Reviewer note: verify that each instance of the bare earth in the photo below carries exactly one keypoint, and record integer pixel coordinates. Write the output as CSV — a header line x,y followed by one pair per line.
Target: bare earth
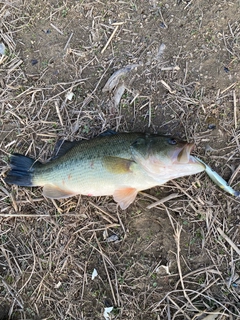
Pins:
x,y
177,260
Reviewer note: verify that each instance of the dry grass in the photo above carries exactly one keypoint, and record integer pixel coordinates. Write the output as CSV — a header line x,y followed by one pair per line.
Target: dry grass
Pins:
x,y
177,253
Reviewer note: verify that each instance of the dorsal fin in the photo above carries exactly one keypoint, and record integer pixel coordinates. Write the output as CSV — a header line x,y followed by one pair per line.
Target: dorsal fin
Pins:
x,y
61,147
108,132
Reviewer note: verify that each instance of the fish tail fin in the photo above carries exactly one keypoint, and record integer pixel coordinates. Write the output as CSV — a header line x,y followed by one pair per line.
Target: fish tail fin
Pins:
x,y
22,169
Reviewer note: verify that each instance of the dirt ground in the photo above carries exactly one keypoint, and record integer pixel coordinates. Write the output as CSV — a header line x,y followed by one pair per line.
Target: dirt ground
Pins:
x,y
179,259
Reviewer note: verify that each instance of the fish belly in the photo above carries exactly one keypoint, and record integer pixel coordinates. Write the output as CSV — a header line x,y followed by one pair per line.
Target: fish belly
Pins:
x,y
91,178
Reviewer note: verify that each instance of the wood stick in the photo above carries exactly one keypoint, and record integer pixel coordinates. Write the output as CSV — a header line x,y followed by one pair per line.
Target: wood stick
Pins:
x,y
229,241
110,39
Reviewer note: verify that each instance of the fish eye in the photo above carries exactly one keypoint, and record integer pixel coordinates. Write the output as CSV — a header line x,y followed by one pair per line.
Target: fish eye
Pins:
x,y
172,141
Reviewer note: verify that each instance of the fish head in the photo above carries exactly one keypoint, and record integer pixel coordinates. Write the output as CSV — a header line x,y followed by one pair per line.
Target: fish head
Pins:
x,y
165,156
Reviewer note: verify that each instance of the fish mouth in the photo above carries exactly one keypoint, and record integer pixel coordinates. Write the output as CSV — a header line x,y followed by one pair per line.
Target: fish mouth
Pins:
x,y
184,154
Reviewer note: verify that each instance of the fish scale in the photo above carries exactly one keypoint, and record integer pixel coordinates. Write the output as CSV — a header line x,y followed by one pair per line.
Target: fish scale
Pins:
x,y
120,165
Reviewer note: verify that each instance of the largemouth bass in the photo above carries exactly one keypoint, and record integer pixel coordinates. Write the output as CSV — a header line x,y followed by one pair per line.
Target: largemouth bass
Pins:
x,y
119,165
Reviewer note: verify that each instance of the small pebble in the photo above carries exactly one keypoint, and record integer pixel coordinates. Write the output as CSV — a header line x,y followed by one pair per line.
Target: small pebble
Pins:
x,y
162,25
226,69
2,48
112,238
34,61
211,126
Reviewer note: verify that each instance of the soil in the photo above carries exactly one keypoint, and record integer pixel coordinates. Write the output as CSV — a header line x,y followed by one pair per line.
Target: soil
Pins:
x,y
167,262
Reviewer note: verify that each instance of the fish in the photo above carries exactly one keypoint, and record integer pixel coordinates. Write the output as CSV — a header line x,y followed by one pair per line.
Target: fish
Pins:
x,y
218,180
118,165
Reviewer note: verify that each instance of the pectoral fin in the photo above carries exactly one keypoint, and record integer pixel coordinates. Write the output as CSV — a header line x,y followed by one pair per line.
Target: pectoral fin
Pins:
x,y
53,192
118,165
125,196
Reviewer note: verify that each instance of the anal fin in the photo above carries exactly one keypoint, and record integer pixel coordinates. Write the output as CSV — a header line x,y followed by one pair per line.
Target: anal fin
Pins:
x,y
53,192
125,196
